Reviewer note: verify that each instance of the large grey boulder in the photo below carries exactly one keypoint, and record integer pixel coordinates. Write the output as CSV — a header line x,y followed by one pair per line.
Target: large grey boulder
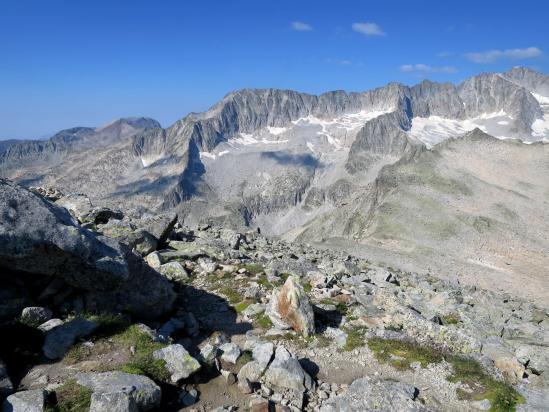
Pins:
x,y
25,401
380,395
41,238
285,372
6,386
60,339
178,361
160,226
146,394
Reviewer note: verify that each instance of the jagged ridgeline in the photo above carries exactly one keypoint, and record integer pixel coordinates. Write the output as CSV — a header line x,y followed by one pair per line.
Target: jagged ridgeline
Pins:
x,y
388,167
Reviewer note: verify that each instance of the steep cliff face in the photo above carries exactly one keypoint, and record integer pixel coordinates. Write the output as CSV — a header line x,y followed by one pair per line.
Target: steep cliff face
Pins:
x,y
489,93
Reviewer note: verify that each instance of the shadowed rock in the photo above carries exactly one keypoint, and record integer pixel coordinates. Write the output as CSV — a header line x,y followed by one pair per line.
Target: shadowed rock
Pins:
x,y
41,238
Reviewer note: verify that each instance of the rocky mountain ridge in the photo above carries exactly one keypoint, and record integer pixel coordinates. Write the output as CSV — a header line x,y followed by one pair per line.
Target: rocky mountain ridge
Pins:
x,y
330,168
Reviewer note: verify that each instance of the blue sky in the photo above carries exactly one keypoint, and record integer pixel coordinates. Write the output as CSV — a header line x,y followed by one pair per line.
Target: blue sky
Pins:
x,y
83,63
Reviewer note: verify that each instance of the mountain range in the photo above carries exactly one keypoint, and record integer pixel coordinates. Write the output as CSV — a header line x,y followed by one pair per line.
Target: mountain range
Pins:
x,y
434,177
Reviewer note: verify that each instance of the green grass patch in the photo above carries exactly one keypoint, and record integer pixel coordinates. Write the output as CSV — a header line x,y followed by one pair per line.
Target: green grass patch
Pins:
x,y
284,277
295,338
71,397
355,338
264,282
261,321
242,306
502,396
244,358
401,354
253,268
231,294
450,319
143,362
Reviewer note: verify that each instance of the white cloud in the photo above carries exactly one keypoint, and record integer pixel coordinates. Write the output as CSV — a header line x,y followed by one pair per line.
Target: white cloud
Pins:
x,y
342,62
369,29
300,26
492,56
424,68
444,54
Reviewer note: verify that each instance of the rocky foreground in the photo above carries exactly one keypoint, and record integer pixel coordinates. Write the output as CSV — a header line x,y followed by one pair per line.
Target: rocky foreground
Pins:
x,y
108,310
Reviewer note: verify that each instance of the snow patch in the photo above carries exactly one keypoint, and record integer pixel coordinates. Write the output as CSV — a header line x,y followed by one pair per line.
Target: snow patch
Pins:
x,y
146,161
208,155
543,100
277,130
540,127
434,129
244,139
223,153
311,147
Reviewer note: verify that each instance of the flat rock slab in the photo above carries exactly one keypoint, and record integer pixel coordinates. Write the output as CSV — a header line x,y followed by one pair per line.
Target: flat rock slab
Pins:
x,y
25,401
146,394
60,339
383,395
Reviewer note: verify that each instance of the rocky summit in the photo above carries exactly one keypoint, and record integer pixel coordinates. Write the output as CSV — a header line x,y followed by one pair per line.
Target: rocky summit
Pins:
x,y
127,310
375,251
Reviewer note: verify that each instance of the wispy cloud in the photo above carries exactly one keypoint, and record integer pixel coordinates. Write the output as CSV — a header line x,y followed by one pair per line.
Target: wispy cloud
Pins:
x,y
342,62
492,56
425,68
368,29
300,26
444,54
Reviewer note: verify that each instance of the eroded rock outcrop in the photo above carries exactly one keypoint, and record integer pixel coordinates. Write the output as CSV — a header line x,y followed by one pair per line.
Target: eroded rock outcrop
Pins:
x,y
42,239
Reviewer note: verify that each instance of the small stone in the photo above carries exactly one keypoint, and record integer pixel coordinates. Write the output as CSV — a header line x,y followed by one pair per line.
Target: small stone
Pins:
x,y
285,372
154,260
188,398
245,386
50,324
263,353
230,352
35,315
230,377
178,361
174,271
208,353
